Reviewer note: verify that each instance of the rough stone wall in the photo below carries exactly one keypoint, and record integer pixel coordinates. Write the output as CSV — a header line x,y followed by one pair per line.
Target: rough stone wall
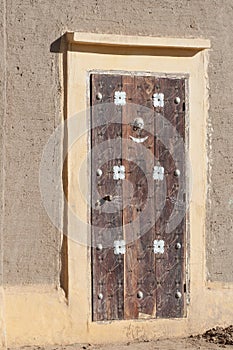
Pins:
x,y
34,108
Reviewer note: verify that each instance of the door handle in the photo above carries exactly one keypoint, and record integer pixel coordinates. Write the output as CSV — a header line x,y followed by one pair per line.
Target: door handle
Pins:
x,y
107,198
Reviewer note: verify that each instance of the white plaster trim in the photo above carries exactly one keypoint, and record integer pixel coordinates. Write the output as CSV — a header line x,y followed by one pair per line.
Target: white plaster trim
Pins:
x,y
141,41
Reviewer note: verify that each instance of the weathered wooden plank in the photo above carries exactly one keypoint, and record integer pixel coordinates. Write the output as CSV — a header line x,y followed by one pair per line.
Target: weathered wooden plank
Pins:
x,y
107,268
130,199
139,260
170,265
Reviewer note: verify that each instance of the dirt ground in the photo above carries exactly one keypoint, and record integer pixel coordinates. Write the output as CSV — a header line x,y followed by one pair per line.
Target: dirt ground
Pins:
x,y
216,338
175,344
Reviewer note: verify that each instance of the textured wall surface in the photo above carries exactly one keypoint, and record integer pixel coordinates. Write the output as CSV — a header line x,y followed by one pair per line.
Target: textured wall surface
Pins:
x,y
2,108
34,108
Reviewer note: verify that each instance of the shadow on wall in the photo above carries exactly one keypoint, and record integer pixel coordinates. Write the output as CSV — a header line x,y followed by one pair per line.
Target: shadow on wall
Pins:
x,y
61,45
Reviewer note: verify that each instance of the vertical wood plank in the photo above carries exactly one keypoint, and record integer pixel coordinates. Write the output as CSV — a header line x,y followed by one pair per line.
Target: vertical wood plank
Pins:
x,y
130,200
107,268
140,276
170,265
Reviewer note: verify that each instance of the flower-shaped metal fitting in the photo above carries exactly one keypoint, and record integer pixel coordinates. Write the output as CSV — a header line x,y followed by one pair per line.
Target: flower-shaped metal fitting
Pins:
x,y
118,172
158,173
158,246
120,98
158,100
119,247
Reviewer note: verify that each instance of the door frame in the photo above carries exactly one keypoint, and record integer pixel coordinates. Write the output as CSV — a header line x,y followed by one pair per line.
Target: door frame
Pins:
x,y
94,53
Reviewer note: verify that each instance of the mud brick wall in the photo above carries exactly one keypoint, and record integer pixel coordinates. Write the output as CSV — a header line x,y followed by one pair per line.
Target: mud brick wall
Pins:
x,y
31,107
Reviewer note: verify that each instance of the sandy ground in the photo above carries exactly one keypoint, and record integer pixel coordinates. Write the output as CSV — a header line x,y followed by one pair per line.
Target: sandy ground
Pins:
x,y
175,344
215,338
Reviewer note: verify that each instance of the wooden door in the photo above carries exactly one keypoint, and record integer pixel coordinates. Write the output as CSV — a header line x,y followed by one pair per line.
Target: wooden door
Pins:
x,y
138,213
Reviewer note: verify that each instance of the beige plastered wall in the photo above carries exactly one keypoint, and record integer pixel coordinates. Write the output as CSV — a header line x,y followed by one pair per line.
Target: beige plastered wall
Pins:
x,y
42,314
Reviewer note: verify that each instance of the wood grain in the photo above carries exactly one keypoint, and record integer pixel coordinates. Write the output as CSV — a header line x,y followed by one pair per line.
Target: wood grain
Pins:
x,y
139,259
107,268
145,206
170,266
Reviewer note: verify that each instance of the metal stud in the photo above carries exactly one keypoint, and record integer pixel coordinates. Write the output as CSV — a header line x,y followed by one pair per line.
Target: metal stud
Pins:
x,y
178,295
139,294
178,245
177,172
100,296
99,172
99,246
99,96
177,100
98,203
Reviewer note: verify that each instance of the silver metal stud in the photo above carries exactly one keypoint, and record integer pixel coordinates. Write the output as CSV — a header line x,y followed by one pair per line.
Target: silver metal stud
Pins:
x,y
99,246
178,295
100,296
178,245
99,96
177,172
139,294
177,100
97,203
99,172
